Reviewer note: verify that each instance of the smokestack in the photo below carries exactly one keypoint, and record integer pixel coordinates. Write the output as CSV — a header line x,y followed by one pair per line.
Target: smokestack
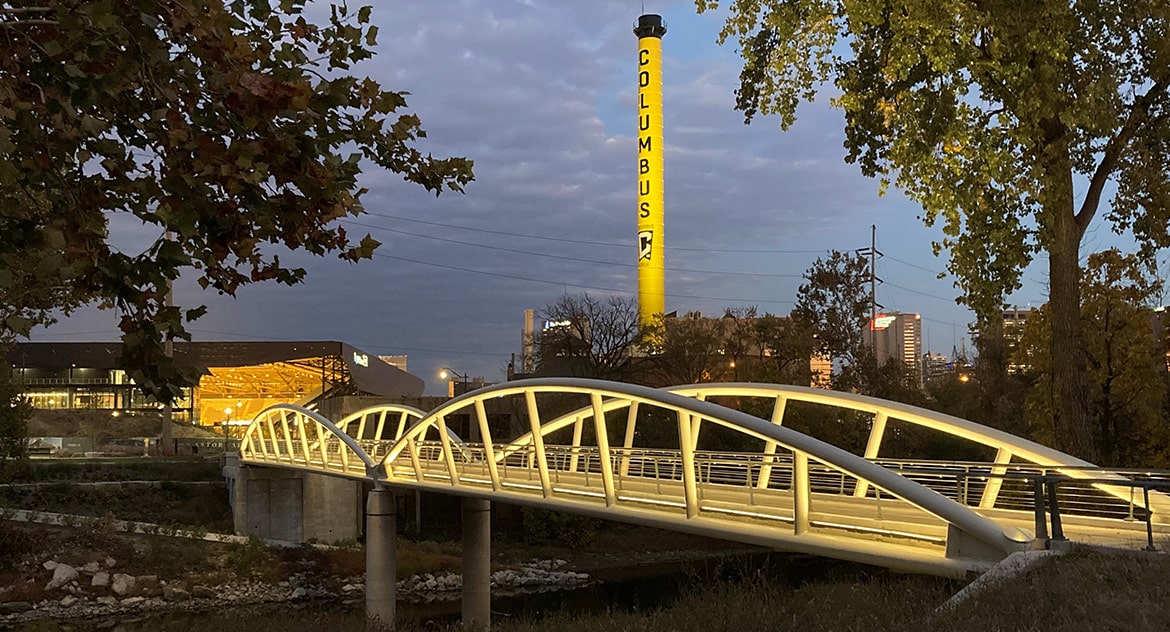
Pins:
x,y
651,279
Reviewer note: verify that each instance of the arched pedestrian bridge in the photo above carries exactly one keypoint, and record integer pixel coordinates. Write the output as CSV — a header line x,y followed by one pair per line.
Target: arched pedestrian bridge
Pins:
x,y
636,454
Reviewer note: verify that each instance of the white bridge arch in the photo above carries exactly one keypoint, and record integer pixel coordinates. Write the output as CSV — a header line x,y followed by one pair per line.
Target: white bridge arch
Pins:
x,y
796,493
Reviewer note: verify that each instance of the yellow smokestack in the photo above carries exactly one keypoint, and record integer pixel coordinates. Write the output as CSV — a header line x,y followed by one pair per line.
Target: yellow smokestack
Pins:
x,y
651,280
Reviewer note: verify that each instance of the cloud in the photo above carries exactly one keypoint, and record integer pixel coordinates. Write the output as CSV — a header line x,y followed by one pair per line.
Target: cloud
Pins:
x,y
540,95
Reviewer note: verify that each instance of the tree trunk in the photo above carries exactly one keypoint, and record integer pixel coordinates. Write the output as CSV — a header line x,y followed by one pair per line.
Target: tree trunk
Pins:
x,y
1072,426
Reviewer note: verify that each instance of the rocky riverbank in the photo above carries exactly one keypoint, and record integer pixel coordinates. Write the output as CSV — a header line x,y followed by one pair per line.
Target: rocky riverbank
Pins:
x,y
96,591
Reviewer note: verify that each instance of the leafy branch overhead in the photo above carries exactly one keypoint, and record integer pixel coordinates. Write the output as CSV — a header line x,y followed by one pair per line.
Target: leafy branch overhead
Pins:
x,y
1007,121
233,129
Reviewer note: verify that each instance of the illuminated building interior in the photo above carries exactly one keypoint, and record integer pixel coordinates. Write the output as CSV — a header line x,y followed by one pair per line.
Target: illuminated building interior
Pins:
x,y
239,379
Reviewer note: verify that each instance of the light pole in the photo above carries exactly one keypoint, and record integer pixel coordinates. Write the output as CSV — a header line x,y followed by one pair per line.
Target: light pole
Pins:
x,y
472,427
448,372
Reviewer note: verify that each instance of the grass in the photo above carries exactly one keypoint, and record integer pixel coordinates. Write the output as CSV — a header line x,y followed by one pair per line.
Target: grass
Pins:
x,y
123,469
1082,592
201,507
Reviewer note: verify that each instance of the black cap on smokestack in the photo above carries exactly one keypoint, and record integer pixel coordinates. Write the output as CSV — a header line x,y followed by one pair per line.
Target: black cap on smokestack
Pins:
x,y
650,25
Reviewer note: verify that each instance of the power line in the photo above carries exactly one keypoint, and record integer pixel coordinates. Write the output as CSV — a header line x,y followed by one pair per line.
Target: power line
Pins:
x,y
912,265
386,347
576,285
561,257
920,293
592,243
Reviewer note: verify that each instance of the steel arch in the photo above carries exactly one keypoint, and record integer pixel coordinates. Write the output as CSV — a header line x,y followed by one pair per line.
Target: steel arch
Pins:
x,y
287,435
415,463
1006,445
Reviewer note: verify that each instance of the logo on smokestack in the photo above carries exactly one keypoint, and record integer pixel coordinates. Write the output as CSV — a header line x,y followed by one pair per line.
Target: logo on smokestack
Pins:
x,y
651,277
645,244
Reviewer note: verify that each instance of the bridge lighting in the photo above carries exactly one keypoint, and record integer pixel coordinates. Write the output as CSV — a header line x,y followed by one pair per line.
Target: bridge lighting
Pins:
x,y
964,378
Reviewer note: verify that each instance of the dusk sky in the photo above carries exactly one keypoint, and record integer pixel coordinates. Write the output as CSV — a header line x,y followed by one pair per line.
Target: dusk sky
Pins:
x,y
540,94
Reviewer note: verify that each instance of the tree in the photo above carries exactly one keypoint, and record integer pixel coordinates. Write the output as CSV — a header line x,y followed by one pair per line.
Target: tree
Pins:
x,y
739,336
786,345
687,350
1127,363
987,113
232,130
14,415
835,301
589,337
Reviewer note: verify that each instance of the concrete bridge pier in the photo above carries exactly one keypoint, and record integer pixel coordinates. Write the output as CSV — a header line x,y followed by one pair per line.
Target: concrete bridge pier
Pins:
x,y
381,557
477,564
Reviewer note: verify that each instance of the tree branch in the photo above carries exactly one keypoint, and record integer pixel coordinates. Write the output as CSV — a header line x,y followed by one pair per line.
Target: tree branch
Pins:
x,y
1137,116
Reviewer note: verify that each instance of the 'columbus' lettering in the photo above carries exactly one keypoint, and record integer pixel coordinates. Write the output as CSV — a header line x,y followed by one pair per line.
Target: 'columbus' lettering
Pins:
x,y
644,143
643,165
644,122
644,209
643,56
644,187
643,79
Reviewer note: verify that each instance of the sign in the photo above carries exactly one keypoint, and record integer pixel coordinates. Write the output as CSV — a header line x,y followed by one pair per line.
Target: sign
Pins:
x,y
361,359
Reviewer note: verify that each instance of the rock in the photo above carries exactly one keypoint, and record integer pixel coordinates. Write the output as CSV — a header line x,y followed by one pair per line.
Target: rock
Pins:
x,y
203,592
101,579
122,585
147,586
298,593
132,601
49,565
13,607
171,593
62,574
350,588
109,562
107,600
68,601
90,568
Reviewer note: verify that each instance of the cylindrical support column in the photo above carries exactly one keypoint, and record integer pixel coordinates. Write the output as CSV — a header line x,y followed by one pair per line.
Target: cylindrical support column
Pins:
x,y
801,493
477,563
381,556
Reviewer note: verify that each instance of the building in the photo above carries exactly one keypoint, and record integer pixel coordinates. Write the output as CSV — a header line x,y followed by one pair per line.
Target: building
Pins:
x,y
1014,320
935,366
898,336
239,378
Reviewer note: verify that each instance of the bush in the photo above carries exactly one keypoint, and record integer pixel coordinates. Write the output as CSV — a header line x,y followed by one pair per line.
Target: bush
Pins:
x,y
253,559
543,527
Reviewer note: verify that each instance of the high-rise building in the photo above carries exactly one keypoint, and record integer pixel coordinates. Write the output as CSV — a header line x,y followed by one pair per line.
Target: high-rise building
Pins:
x,y
897,335
1014,320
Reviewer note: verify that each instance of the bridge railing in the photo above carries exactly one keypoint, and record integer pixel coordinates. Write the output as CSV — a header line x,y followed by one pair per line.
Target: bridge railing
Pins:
x,y
730,484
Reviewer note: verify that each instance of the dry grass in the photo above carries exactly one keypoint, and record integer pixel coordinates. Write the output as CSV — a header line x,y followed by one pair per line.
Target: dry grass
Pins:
x,y
1084,591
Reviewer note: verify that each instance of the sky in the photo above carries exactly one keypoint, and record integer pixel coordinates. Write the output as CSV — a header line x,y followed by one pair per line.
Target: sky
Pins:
x,y
541,95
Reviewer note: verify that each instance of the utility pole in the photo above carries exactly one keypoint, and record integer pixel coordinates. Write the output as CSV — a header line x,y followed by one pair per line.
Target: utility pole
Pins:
x,y
873,253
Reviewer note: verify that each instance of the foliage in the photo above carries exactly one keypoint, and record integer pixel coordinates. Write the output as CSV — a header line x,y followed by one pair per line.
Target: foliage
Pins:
x,y
987,113
835,301
891,380
687,350
14,414
542,526
1127,364
590,337
232,131
252,559
785,346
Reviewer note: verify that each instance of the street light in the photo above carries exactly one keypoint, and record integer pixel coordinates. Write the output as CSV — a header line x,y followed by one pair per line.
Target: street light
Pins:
x,y
448,372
